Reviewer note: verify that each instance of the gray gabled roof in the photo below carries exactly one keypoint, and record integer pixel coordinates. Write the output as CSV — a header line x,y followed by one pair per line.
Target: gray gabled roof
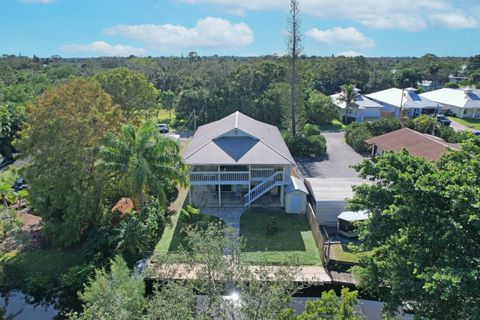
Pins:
x,y
237,139
461,98
393,96
362,101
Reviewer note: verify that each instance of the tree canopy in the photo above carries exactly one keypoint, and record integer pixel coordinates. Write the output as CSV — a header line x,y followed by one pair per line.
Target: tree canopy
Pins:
x,y
129,89
423,231
66,127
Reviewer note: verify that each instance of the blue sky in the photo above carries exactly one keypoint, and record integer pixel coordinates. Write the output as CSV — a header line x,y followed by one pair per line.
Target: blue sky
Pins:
x,y
84,28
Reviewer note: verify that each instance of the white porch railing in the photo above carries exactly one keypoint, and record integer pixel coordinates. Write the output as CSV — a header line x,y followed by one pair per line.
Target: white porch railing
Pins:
x,y
261,173
215,177
233,177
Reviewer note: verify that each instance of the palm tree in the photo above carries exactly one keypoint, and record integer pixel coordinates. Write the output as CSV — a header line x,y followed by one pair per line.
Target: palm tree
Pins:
x,y
132,238
349,96
145,161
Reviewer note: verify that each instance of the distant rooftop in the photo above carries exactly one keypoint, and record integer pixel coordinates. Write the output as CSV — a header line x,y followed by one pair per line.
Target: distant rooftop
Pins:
x,y
411,99
461,98
416,143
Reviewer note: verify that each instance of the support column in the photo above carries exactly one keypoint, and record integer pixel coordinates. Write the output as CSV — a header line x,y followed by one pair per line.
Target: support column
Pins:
x,y
249,183
282,192
219,189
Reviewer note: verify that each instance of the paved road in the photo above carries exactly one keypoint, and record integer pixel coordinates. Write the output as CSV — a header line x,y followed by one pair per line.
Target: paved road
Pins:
x,y
336,164
458,126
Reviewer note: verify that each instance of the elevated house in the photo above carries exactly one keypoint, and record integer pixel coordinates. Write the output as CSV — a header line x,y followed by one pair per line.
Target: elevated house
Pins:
x,y
239,162
464,103
394,100
365,110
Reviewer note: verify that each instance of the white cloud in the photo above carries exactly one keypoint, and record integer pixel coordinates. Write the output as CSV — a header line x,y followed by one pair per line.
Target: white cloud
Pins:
x,y
455,21
349,37
37,1
410,15
208,33
349,53
104,48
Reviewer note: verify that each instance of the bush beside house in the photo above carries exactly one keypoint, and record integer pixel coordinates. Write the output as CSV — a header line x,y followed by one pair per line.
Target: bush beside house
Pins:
x,y
309,143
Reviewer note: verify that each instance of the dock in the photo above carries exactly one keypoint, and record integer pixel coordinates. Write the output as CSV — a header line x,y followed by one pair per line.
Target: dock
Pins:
x,y
317,275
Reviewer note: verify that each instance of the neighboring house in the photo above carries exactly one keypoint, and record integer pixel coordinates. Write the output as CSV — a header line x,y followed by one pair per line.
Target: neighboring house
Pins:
x,y
367,109
464,103
394,99
239,161
416,143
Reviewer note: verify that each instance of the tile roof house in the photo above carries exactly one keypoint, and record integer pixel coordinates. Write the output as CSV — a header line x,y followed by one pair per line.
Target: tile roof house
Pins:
x,y
465,103
367,109
394,99
239,161
416,143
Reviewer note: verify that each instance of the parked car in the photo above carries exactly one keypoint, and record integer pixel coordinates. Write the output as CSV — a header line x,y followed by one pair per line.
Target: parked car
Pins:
x,y
443,120
163,128
20,184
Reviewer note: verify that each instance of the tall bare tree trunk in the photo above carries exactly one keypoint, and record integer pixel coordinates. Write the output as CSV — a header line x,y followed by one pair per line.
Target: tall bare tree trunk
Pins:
x,y
294,47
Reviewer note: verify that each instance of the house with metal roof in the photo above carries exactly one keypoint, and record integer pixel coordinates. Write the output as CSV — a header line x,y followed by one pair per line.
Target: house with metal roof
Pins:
x,y
394,100
239,161
365,110
464,103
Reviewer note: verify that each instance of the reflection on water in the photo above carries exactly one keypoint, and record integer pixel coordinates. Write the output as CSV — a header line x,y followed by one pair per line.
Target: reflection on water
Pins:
x,y
16,306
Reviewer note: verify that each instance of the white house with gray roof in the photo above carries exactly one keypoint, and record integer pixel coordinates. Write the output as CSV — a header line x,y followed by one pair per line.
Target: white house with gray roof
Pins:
x,y
366,110
394,99
239,161
464,103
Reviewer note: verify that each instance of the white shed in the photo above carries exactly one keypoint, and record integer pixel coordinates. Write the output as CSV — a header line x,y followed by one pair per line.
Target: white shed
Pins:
x,y
346,222
295,196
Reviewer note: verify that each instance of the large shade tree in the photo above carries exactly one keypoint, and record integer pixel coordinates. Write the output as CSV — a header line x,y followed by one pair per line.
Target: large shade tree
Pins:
x,y
423,230
129,89
145,161
66,127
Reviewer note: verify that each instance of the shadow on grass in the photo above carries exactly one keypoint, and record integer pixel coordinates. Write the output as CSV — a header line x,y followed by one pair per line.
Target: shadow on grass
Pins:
x,y
179,236
256,225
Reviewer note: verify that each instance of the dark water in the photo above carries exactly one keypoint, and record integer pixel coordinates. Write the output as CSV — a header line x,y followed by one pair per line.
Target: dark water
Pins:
x,y
16,306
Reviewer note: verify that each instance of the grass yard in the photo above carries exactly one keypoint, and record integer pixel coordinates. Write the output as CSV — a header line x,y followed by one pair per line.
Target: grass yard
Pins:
x,y
341,252
277,238
335,125
468,122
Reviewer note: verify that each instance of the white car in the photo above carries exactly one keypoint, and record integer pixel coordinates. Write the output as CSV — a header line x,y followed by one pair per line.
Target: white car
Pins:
x,y
163,128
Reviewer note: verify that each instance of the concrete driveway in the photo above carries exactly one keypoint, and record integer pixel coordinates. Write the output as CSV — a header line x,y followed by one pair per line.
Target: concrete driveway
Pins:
x,y
336,164
330,179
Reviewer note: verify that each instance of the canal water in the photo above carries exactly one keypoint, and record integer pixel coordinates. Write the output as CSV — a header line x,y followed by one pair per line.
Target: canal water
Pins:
x,y
15,306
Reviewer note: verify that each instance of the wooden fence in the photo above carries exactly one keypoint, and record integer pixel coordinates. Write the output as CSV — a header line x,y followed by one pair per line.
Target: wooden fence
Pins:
x,y
317,233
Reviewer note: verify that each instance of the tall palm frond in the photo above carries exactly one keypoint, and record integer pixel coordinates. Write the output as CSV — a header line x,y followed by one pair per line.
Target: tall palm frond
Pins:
x,y
145,159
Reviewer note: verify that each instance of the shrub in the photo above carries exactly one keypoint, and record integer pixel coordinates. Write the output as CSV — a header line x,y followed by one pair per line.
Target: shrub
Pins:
x,y
304,145
424,124
383,126
319,109
355,136
452,85
311,130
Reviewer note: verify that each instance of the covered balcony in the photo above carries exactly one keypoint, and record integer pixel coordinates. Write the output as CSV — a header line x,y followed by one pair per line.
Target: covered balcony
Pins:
x,y
228,175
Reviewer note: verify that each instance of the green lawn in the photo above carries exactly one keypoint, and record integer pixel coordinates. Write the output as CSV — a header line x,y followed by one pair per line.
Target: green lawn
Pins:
x,y
468,122
341,252
291,243
335,125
